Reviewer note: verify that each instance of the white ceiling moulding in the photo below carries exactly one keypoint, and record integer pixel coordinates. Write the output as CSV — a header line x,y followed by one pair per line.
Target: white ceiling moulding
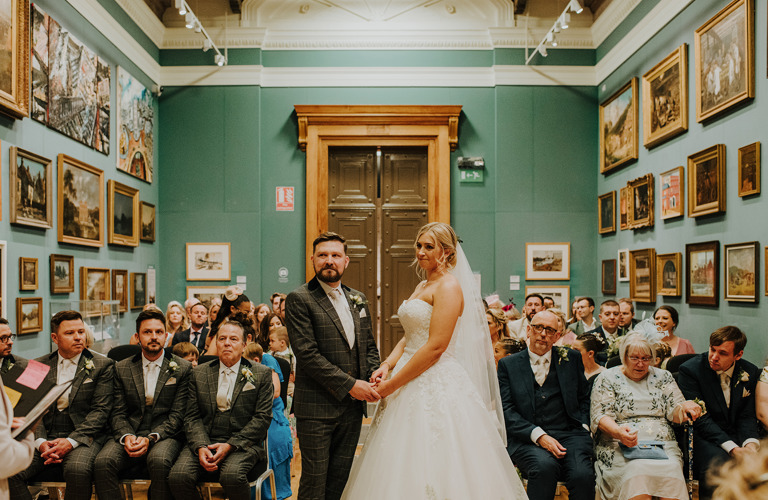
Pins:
x,y
377,40
196,76
147,21
242,38
574,38
612,16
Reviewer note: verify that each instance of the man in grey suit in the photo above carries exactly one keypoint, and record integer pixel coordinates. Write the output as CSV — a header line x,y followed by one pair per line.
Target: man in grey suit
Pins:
x,y
7,360
148,414
330,330
228,413
70,436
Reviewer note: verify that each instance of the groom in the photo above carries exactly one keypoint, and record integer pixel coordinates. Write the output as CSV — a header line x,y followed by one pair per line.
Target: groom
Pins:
x,y
330,330
546,409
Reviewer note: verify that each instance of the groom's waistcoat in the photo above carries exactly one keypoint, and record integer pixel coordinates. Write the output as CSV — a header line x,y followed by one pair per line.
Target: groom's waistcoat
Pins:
x,y
548,406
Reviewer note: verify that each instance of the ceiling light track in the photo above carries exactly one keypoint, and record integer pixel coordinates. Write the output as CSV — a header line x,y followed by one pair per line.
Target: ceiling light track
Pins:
x,y
192,22
550,38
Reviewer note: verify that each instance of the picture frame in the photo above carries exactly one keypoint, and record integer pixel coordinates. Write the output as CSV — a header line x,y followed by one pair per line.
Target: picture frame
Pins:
x,y
665,98
741,272
14,70
672,191
28,275
94,286
31,189
623,216
560,295
147,225
29,315
62,273
138,290
640,202
208,262
725,60
606,211
642,275
749,169
623,264
206,293
3,278
123,226
669,274
135,127
80,209
547,261
618,128
120,288
608,277
702,272
706,181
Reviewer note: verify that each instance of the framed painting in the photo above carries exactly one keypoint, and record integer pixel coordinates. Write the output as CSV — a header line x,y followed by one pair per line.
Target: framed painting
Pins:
x,y
560,295
706,181
741,271
702,264
138,290
749,169
640,202
29,315
120,288
31,192
609,276
101,130
606,211
81,202
27,273
669,275
135,127
62,273
123,214
665,98
642,275
623,215
38,107
618,128
725,60
208,261
623,257
547,261
147,211
672,192
206,294
14,58
94,286
3,279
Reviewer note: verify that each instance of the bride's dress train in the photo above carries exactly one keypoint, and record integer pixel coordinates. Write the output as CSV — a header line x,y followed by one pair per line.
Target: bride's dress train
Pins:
x,y
433,438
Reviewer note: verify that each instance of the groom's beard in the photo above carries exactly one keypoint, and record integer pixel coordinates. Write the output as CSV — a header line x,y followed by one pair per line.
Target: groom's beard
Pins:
x,y
329,275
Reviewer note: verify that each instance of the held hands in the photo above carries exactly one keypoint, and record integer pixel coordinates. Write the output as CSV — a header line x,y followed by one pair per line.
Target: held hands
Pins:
x,y
365,391
627,436
380,374
53,452
691,411
552,445
136,446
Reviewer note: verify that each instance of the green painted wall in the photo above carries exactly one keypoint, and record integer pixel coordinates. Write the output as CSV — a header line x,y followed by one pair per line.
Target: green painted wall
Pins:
x,y
743,218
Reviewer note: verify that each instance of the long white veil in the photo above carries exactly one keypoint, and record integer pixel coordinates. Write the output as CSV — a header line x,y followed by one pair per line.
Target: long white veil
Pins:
x,y
473,343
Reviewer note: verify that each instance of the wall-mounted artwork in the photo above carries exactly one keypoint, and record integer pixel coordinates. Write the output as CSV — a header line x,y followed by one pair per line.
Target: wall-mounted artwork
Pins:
x,y
147,221
640,202
609,276
81,202
642,275
135,126
669,274
749,169
560,294
725,59
623,210
101,130
206,294
14,58
702,264
606,210
120,288
27,273
548,261
62,273
742,263
665,98
138,290
39,104
94,285
123,214
31,189
623,256
706,181
208,261
29,315
618,128
671,187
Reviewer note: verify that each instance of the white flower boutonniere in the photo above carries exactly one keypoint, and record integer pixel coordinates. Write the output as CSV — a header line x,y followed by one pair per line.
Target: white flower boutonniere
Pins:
x,y
357,300
702,404
172,367
248,375
88,367
562,354
743,376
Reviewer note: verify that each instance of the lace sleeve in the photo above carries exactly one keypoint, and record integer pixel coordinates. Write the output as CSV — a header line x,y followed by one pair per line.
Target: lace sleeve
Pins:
x,y
601,401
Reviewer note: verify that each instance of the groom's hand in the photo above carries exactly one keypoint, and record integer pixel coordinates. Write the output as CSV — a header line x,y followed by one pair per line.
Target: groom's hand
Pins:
x,y
364,391
552,445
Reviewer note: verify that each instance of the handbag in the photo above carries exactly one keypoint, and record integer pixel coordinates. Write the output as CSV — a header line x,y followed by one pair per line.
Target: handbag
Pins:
x,y
653,450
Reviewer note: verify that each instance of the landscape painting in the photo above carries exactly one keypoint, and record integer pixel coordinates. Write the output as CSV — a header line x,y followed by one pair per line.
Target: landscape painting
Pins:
x,y
81,202
29,315
618,128
31,189
135,127
147,221
741,272
701,279
208,261
547,261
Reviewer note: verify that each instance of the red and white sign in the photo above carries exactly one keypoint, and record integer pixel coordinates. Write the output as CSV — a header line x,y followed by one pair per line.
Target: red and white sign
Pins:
x,y
284,199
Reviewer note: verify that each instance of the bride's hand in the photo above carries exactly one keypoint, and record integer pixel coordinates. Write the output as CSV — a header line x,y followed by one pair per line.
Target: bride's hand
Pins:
x,y
380,374
385,388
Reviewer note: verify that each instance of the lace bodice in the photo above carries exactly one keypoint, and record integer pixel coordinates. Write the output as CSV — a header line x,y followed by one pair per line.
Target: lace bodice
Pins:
x,y
415,316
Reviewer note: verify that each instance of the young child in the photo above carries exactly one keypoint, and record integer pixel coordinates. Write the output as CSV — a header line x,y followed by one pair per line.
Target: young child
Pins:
x,y
505,347
188,351
280,345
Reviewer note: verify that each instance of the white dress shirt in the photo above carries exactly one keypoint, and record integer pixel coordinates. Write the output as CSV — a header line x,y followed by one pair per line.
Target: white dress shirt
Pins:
x,y
341,305
235,369
66,369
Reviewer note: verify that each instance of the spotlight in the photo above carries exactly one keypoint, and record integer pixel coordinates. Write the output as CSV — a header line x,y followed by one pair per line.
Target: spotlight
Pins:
x,y
198,27
220,60
575,6
565,20
207,44
179,4
542,50
189,20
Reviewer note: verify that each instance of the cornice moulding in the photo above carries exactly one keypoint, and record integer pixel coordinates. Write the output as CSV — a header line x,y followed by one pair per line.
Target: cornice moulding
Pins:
x,y
146,20
614,14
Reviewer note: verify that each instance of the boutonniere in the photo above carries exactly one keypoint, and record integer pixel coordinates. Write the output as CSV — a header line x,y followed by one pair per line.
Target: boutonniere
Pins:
x,y
357,300
746,393
248,375
702,404
562,354
88,367
743,376
8,364
172,367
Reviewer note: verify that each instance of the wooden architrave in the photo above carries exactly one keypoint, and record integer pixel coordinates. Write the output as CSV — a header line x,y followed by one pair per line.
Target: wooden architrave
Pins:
x,y
321,127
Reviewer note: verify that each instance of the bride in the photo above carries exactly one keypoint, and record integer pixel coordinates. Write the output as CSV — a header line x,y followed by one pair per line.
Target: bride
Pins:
x,y
438,432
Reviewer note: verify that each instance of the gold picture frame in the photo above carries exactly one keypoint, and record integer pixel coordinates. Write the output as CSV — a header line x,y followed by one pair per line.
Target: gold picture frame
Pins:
x,y
123,219
623,217
62,273
672,193
606,212
28,275
640,202
725,60
749,169
669,274
138,290
618,128
14,97
31,189
29,315
642,275
741,272
147,221
665,98
80,211
94,286
706,181
120,288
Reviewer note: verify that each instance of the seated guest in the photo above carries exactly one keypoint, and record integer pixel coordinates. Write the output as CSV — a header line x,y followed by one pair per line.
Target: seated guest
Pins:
x,y
147,419
228,414
585,307
214,310
197,331
187,352
666,321
70,436
662,353
275,299
589,345
631,404
188,305
497,324
726,384
549,302
627,319
568,337
609,316
175,320
7,360
233,302
534,303
269,323
507,347
511,312
546,410
743,478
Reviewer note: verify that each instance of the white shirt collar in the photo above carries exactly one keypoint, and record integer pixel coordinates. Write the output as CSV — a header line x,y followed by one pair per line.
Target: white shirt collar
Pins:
x,y
75,359
535,357
729,371
329,289
591,326
235,367
145,362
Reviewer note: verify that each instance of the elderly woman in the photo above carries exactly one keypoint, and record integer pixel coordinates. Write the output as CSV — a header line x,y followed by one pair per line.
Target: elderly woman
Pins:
x,y
632,404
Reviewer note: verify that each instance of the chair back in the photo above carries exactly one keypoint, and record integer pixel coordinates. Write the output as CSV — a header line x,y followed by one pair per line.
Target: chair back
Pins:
x,y
285,367
121,352
613,361
673,364
206,359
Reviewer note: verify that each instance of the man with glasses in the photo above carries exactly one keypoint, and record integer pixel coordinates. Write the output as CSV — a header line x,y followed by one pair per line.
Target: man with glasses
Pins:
x,y
546,409
7,360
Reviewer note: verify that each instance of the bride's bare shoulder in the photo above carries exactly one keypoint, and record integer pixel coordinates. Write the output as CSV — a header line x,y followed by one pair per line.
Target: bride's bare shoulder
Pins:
x,y
449,284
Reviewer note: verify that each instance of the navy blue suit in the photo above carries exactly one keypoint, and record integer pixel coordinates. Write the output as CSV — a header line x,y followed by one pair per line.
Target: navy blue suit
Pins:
x,y
561,408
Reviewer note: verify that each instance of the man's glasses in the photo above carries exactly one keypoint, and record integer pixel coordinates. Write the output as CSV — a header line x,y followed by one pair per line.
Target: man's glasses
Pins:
x,y
5,338
549,332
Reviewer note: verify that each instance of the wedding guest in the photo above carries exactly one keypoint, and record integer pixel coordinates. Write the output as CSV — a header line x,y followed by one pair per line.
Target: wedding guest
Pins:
x,y
233,302
568,337
627,319
188,305
17,455
549,302
533,303
662,353
270,322
197,332
507,347
275,300
585,307
7,360
497,324
187,351
666,321
632,404
261,311
214,310
589,345
175,320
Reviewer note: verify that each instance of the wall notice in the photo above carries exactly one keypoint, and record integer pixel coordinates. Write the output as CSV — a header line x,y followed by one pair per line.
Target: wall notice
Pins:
x,y
284,199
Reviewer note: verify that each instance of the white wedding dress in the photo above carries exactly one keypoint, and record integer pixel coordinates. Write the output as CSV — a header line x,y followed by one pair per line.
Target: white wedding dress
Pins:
x,y
433,438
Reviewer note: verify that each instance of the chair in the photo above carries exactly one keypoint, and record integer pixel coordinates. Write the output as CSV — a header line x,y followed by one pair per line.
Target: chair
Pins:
x,y
673,365
254,482
614,361
121,352
285,367
206,359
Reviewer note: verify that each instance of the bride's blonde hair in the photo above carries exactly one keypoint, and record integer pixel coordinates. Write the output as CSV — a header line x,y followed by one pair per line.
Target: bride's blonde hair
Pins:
x,y
445,238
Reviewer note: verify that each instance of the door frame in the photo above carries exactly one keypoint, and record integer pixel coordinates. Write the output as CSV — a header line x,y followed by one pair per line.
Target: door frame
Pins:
x,y
324,126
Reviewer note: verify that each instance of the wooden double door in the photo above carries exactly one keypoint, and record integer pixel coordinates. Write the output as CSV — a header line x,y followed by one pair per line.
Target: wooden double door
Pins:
x,y
377,199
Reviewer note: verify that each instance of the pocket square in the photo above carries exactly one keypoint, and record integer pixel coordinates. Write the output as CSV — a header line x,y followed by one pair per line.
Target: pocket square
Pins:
x,y
746,393
88,381
171,381
248,387
362,313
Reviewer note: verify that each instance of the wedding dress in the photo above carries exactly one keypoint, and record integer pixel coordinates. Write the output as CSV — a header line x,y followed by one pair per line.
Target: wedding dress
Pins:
x,y
434,438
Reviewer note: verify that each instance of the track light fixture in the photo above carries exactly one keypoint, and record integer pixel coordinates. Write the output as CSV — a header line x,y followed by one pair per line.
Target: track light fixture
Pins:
x,y
179,4
220,60
193,23
575,6
562,22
